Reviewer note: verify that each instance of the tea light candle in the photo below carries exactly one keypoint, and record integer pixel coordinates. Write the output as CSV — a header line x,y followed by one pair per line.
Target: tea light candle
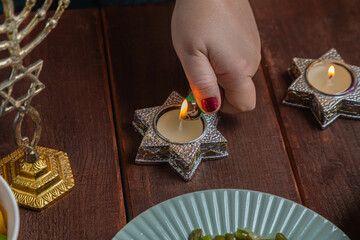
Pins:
x,y
318,77
175,130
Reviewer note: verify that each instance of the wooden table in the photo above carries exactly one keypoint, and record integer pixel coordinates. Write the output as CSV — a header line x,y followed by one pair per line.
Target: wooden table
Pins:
x,y
102,64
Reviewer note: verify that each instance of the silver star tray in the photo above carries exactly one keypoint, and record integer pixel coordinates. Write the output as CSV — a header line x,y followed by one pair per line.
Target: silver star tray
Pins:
x,y
326,108
184,158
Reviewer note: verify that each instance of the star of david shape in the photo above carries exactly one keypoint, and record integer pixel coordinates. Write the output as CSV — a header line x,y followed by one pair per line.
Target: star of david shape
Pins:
x,y
32,72
184,158
326,108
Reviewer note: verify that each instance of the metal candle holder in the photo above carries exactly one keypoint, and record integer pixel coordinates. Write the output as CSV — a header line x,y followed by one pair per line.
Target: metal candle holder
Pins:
x,y
325,107
38,176
184,158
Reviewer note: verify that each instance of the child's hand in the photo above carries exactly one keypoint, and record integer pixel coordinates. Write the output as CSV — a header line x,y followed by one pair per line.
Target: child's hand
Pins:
x,y
218,44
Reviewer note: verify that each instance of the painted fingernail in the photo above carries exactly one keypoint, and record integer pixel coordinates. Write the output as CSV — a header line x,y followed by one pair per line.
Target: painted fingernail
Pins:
x,y
210,104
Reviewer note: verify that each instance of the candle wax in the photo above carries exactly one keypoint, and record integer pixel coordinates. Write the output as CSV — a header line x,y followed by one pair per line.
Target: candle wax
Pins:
x,y
170,127
318,78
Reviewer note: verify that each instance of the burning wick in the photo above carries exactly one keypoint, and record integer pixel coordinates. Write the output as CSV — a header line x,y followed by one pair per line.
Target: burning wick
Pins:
x,y
331,73
183,110
183,113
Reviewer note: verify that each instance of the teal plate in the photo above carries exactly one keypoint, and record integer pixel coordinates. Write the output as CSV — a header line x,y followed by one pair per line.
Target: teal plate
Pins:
x,y
225,210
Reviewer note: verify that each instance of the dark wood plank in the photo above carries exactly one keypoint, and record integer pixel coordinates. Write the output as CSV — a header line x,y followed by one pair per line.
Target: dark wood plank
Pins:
x,y
145,70
328,162
77,118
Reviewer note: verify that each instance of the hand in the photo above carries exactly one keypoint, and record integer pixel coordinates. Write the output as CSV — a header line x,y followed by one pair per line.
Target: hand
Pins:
x,y
218,43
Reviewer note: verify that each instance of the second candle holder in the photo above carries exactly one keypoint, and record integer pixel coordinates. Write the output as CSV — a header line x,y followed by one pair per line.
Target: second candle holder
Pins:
x,y
327,86
183,149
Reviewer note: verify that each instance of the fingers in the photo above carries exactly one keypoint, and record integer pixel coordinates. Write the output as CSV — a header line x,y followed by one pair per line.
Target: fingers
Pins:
x,y
239,94
203,81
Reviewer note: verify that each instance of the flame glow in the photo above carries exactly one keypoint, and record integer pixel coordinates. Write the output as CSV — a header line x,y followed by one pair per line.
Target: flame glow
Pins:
x,y
331,71
183,110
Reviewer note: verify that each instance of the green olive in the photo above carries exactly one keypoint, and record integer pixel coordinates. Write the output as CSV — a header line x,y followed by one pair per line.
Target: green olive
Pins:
x,y
196,234
242,235
207,237
219,237
229,236
280,236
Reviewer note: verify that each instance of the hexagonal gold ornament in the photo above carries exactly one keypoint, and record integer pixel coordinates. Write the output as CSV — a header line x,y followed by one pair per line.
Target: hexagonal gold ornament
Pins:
x,y
37,185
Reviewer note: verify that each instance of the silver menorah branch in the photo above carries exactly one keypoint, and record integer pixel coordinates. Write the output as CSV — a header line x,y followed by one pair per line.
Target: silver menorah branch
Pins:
x,y
38,176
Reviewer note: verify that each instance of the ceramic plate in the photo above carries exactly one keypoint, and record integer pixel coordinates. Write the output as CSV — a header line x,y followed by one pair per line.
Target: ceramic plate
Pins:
x,y
8,202
225,210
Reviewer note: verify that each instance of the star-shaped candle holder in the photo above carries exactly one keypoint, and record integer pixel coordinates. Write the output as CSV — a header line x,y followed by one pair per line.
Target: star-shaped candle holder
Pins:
x,y
327,86
183,157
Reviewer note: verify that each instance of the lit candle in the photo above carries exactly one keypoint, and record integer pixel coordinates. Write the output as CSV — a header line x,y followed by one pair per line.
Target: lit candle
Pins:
x,y
329,77
172,127
183,110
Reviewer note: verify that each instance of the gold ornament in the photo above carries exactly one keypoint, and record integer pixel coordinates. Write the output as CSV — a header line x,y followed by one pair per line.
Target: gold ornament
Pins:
x,y
38,176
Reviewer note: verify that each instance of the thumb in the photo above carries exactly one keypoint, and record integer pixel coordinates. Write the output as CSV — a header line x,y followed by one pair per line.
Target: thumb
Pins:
x,y
203,81
239,93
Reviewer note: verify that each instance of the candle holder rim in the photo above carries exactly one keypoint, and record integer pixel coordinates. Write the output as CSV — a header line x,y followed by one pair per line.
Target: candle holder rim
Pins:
x,y
352,85
176,106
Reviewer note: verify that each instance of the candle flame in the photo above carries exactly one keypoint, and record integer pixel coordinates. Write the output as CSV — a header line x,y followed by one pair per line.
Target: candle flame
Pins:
x,y
331,71
183,110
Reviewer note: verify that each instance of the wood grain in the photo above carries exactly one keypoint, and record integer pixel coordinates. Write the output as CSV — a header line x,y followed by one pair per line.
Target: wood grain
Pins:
x,y
77,118
144,71
327,162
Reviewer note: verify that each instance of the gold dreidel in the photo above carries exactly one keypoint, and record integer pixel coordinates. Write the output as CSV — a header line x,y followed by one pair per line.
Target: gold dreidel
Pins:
x,y
38,176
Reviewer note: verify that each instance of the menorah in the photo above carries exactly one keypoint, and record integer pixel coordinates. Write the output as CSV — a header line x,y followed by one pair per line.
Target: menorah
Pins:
x,y
38,176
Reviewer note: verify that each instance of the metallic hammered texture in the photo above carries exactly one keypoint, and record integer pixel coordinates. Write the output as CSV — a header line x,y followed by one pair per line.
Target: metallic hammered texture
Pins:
x,y
326,108
174,98
151,139
355,96
183,158
212,136
49,188
147,115
186,152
